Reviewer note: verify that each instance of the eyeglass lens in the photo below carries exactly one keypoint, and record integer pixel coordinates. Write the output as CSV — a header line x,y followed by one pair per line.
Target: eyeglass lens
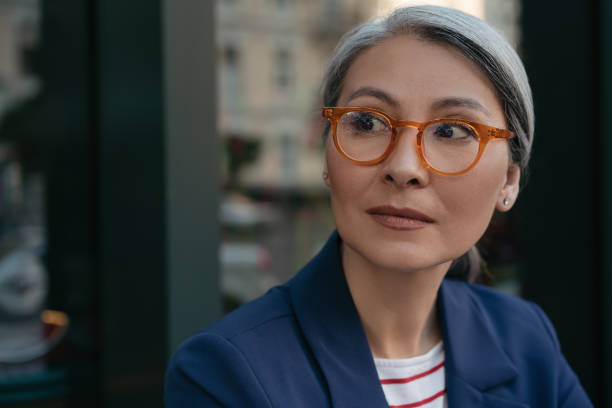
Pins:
x,y
448,146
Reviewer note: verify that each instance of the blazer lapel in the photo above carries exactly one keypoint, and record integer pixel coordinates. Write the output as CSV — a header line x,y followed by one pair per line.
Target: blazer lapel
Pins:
x,y
475,361
329,321
462,394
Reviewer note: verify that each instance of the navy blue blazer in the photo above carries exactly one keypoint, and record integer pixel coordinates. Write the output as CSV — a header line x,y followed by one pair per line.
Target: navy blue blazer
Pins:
x,y
302,345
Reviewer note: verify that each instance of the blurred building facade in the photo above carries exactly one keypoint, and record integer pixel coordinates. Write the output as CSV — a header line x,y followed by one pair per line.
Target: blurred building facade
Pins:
x,y
271,55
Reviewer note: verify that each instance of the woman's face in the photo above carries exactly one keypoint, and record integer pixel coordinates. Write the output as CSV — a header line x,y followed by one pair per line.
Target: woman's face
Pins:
x,y
412,79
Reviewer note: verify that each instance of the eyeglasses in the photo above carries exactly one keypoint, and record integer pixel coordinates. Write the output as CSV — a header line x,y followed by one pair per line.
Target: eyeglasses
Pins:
x,y
449,147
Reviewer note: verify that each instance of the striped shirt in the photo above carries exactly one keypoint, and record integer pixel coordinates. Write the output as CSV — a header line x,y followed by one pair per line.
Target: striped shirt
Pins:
x,y
414,382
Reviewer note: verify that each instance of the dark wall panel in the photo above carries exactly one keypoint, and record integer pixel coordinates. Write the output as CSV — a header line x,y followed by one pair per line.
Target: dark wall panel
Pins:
x,y
68,148
605,44
131,196
560,206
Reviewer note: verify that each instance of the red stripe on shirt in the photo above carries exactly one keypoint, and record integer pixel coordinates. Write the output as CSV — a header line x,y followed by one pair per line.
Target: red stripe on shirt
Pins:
x,y
420,403
412,378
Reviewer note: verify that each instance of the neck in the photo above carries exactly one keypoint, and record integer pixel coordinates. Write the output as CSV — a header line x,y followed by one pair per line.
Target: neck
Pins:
x,y
397,308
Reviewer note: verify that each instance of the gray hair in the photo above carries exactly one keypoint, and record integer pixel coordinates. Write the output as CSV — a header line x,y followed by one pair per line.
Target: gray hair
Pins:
x,y
472,37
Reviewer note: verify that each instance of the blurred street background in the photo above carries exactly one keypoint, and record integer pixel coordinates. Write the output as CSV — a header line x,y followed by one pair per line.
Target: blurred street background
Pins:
x,y
160,165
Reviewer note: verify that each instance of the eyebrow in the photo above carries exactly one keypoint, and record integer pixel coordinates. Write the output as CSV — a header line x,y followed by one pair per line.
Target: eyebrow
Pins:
x,y
453,102
374,92
468,103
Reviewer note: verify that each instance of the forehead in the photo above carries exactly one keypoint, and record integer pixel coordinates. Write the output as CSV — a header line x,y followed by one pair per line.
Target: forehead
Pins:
x,y
416,72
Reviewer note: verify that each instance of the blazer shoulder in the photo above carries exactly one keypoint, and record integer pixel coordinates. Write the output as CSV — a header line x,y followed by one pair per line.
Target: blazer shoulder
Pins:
x,y
508,313
206,371
208,367
531,341
274,305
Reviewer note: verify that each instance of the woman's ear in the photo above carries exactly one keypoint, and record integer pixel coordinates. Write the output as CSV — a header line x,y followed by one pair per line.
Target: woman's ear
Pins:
x,y
325,174
509,192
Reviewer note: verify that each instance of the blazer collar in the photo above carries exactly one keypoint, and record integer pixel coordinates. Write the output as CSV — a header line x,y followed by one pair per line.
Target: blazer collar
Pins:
x,y
324,308
328,318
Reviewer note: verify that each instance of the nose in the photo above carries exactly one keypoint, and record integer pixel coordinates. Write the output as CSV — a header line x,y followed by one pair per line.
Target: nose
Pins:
x,y
403,167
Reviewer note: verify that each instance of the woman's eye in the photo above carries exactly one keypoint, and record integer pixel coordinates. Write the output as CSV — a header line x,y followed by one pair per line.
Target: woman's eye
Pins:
x,y
455,131
368,123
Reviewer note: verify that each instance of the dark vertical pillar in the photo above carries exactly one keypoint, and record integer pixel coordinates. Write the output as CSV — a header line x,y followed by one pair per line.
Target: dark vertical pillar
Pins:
x,y
605,126
67,145
561,207
132,200
192,150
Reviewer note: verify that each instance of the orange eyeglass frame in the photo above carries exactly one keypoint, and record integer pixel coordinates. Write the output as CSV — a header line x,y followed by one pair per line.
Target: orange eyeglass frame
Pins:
x,y
485,134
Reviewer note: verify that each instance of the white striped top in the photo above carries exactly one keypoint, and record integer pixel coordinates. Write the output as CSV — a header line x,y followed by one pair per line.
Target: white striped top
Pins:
x,y
414,382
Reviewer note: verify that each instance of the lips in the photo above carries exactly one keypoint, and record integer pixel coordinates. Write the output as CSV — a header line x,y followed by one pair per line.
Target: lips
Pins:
x,y
399,218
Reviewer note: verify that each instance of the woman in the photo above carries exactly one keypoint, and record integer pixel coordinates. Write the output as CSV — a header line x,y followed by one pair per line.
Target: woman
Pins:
x,y
431,124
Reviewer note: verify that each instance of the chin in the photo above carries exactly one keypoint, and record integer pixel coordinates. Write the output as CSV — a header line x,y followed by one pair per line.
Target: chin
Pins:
x,y
406,262
395,256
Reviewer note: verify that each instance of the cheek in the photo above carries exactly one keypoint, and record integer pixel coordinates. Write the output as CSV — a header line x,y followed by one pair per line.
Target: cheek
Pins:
x,y
349,185
470,201
468,206
347,181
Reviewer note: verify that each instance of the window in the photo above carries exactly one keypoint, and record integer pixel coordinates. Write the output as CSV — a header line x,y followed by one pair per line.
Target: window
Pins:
x,y
283,68
231,56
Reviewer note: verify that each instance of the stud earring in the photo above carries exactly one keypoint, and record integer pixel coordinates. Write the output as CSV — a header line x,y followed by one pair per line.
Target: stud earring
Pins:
x,y
325,176
506,202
